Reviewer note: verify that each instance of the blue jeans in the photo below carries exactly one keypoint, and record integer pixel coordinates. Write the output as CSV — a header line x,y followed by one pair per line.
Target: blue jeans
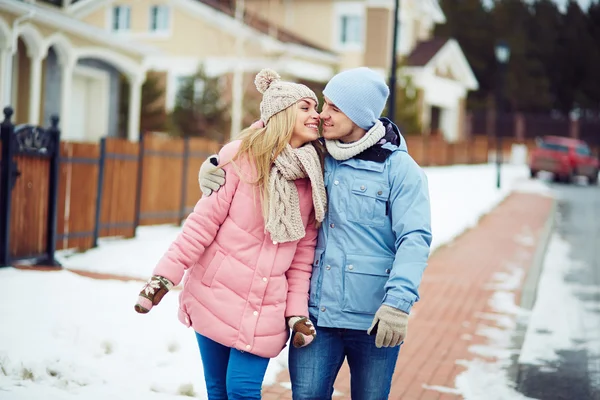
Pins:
x,y
231,374
313,369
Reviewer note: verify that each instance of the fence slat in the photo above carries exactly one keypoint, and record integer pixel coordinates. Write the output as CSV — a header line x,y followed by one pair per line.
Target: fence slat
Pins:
x,y
77,195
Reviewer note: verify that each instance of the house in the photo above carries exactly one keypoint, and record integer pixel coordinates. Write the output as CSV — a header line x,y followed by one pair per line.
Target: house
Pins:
x,y
228,42
361,32
53,63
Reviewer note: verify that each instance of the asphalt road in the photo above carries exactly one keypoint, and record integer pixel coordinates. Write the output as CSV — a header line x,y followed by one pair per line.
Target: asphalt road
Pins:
x,y
576,376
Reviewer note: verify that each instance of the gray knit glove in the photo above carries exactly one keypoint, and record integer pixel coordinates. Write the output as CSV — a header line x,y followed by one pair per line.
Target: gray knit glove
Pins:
x,y
391,325
211,177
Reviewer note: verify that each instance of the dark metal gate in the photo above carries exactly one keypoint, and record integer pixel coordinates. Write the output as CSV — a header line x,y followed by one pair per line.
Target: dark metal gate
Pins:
x,y
28,191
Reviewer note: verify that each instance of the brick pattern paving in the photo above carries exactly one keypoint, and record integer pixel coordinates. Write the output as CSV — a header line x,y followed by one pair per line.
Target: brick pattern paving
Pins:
x,y
443,324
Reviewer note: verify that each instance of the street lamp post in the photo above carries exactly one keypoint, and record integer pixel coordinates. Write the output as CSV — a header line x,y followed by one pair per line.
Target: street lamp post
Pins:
x,y
502,52
392,98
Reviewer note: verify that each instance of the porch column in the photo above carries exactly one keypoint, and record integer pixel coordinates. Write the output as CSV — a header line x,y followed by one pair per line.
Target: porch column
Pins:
x,y
66,91
5,77
135,105
35,90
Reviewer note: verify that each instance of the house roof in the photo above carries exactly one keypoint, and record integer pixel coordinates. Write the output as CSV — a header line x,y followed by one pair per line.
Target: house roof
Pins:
x,y
425,51
445,58
262,25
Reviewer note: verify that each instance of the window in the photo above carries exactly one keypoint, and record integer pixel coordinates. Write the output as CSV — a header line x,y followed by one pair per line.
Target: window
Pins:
x,y
121,18
583,150
554,147
159,18
351,30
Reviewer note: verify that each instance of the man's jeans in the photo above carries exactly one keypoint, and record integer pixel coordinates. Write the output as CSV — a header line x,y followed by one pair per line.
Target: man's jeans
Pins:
x,y
313,369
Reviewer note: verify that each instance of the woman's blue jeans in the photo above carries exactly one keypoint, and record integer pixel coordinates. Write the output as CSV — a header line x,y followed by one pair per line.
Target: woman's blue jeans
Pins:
x,y
231,374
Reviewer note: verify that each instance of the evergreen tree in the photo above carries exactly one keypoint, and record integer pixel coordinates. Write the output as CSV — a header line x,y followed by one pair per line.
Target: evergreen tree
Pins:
x,y
544,30
592,83
153,116
469,22
574,44
526,87
199,108
407,107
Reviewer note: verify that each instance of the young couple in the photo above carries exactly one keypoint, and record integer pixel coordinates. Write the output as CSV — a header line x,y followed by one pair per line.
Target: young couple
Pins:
x,y
328,242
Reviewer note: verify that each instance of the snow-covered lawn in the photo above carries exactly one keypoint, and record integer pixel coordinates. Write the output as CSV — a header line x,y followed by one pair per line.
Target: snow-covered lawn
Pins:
x,y
63,336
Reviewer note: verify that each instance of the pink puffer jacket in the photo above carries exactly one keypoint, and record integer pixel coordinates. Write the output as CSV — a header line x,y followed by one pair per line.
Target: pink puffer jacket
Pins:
x,y
240,285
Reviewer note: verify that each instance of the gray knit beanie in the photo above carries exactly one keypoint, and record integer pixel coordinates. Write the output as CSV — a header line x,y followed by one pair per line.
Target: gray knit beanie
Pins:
x,y
360,93
277,94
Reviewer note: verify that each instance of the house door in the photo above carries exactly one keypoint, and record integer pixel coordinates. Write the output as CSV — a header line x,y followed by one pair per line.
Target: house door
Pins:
x,y
89,105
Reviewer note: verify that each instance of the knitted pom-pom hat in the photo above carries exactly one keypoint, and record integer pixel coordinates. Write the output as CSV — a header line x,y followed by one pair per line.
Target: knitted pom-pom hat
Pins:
x,y
277,94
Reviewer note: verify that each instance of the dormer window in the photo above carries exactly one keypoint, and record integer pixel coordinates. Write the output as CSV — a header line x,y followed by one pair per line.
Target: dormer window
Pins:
x,y
121,18
159,18
351,30
349,25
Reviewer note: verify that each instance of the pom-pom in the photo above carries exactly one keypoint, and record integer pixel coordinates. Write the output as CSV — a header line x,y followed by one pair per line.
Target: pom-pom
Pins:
x,y
264,79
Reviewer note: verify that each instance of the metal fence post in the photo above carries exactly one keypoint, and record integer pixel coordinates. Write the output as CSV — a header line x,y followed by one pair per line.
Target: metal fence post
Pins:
x,y
6,132
99,191
54,131
140,177
186,156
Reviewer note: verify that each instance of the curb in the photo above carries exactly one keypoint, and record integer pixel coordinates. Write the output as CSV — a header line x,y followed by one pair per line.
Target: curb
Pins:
x,y
529,292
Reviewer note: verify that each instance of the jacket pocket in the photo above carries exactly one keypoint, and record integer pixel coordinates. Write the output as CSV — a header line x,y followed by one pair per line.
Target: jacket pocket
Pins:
x,y
364,282
368,202
213,267
313,295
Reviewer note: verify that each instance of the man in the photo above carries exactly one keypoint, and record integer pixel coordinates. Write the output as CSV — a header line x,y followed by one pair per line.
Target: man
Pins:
x,y
372,247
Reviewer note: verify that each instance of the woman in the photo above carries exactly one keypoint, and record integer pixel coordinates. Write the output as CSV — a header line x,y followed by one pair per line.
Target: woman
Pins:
x,y
248,251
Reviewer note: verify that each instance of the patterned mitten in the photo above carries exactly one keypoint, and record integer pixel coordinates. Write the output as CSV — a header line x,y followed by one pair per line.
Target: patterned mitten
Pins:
x,y
303,331
152,293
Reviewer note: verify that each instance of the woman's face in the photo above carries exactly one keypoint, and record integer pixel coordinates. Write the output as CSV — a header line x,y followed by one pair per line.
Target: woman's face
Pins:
x,y
306,128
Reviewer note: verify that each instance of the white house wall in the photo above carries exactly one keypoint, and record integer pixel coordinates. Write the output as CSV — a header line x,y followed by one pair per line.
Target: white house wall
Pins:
x,y
441,92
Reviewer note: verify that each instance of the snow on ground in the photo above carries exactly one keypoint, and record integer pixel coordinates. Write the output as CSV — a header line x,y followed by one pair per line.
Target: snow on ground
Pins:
x,y
64,336
561,318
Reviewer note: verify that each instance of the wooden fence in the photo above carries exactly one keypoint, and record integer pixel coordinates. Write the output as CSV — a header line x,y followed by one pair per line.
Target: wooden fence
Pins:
x,y
434,150
110,188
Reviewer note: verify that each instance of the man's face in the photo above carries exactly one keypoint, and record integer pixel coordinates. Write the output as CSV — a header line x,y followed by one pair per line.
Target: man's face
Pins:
x,y
336,125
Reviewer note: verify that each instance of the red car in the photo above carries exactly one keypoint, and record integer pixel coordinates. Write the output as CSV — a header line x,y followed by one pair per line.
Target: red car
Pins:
x,y
565,158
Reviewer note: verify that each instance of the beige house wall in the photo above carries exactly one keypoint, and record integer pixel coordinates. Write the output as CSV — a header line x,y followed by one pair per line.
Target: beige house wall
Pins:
x,y
189,36
97,18
309,19
75,40
377,38
23,84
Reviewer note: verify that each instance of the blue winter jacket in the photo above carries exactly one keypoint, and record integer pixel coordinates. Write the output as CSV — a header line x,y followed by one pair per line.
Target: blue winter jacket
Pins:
x,y
374,243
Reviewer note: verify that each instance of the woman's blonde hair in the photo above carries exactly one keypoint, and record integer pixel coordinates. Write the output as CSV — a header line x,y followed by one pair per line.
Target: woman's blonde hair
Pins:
x,y
263,145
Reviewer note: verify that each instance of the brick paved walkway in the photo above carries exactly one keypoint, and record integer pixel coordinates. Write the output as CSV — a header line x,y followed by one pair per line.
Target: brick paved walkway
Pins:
x,y
453,292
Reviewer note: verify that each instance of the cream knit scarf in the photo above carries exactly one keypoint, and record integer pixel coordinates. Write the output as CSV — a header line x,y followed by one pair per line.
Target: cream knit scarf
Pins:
x,y
284,221
344,151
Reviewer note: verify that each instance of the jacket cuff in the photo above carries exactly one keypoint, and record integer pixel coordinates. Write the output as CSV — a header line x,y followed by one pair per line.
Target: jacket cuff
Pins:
x,y
397,302
296,305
